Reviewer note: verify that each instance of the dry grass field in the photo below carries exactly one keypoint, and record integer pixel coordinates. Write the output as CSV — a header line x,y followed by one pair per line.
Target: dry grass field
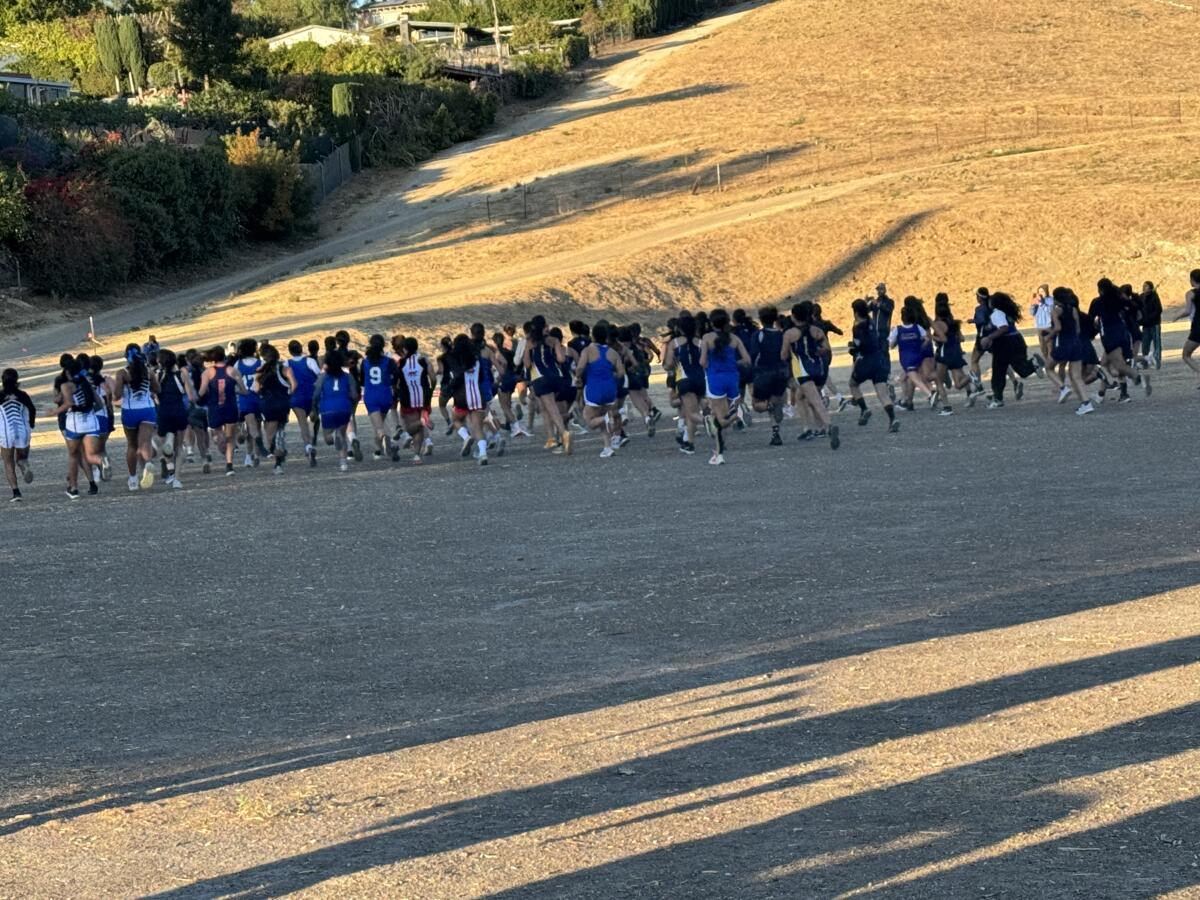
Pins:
x,y
936,145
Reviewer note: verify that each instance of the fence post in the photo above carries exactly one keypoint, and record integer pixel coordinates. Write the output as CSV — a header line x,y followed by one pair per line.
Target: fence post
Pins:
x,y
719,187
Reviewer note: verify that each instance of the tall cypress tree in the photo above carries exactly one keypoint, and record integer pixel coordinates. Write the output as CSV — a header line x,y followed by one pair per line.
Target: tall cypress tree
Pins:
x,y
206,33
108,48
130,35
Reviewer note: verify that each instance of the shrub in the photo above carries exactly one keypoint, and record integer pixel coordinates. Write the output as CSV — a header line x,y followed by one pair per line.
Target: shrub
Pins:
x,y
132,55
55,48
271,195
162,75
574,49
535,74
405,123
14,209
77,214
305,58
224,106
95,83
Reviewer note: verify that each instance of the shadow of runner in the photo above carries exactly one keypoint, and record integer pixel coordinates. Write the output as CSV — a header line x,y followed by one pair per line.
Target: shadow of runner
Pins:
x,y
744,754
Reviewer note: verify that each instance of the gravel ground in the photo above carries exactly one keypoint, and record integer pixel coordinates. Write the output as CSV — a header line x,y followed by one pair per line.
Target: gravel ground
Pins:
x,y
957,661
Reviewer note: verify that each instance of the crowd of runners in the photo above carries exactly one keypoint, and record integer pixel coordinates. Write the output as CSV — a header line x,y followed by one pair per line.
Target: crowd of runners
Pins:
x,y
393,396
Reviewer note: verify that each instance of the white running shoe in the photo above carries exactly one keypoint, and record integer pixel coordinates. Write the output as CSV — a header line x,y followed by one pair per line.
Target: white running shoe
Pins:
x,y
717,459
174,483
789,411
133,482
607,453
615,442
168,445
249,461
1084,409
483,459
1063,394
343,466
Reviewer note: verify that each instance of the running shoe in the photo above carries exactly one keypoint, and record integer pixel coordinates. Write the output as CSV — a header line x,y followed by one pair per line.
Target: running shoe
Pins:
x,y
520,430
864,417
450,429
466,447
518,411
396,452
1039,364
132,482
995,404
607,453
835,438
377,455
550,444
946,411
1085,408
1019,389
277,470
72,494
789,411
356,449
1146,384
344,466
843,402
483,459
1063,393
933,401
93,489
894,426
416,459
566,441
175,484
650,426
655,415
405,439
972,396
312,457
427,450
806,435
207,467
621,440
16,497
26,472
95,475
687,448
168,445
147,480
229,473
248,461
1124,398
717,459
776,440
710,425
105,469
501,446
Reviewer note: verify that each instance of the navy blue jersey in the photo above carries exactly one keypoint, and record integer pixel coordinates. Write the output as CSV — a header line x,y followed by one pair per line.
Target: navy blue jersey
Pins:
x,y
765,349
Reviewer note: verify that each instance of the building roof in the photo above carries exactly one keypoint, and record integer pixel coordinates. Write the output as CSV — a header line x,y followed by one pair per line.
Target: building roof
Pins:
x,y
26,78
295,32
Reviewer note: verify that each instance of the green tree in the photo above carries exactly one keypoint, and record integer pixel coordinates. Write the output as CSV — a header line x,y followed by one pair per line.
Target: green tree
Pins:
x,y
108,47
284,15
130,36
206,35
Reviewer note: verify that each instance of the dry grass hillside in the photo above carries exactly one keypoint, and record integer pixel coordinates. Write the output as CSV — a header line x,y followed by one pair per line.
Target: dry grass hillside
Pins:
x,y
934,144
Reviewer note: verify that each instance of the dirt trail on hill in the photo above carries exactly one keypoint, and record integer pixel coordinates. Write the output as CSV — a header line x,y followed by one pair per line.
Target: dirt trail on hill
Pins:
x,y
402,212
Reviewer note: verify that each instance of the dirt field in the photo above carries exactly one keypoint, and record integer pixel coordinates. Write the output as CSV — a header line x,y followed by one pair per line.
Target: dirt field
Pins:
x,y
958,661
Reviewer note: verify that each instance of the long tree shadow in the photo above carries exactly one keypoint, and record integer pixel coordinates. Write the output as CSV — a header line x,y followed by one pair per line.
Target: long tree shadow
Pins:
x,y
997,610
878,817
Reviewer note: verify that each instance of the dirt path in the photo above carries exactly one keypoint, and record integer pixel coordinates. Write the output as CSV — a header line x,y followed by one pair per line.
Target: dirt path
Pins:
x,y
403,211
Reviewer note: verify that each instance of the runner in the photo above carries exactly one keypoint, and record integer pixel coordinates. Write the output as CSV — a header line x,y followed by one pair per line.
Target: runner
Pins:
x,y
1006,345
175,396
17,418
544,358
305,371
379,373
77,404
721,355
948,355
912,341
681,358
1068,349
599,371
275,385
104,411
334,396
805,346
137,387
1191,311
218,388
1151,312
416,393
468,389
769,384
869,367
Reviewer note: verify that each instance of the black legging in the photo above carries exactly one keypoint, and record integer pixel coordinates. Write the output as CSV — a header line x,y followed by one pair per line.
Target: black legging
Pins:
x,y
1008,352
